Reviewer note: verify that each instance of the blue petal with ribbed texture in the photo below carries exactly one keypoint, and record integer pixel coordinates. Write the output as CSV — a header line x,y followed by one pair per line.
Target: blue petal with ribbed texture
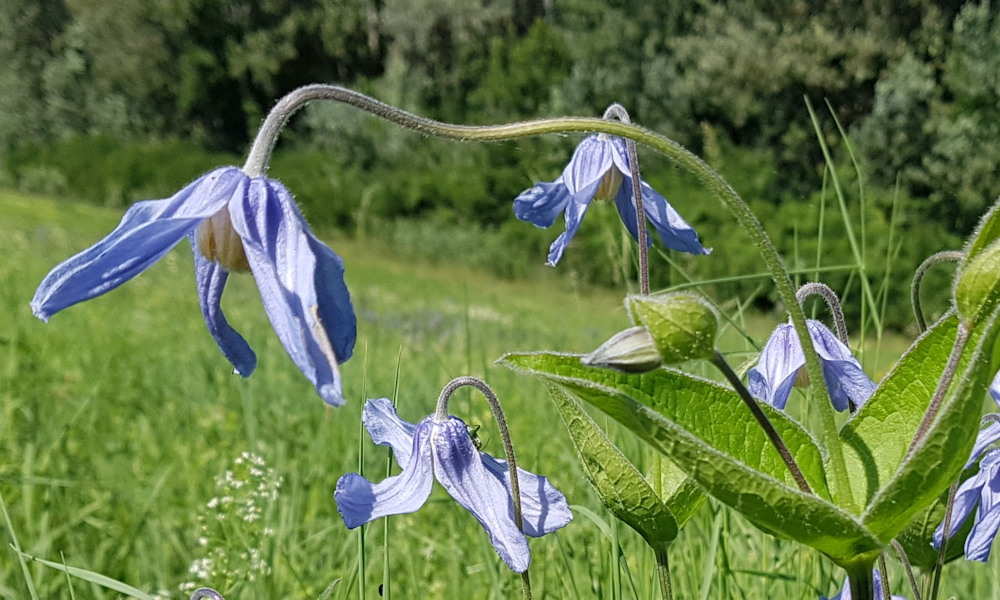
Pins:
x,y
590,162
210,279
301,284
542,203
670,227
360,501
772,378
543,508
387,429
459,468
982,493
780,361
147,231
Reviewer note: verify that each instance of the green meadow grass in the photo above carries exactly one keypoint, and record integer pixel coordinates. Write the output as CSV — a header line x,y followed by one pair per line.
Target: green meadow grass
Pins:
x,y
118,416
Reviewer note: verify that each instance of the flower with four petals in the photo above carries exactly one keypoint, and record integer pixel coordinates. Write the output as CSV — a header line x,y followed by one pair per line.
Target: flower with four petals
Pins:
x,y
600,169
444,450
235,223
782,360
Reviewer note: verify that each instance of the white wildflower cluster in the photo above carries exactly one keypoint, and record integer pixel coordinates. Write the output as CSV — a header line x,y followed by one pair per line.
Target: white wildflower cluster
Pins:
x,y
233,527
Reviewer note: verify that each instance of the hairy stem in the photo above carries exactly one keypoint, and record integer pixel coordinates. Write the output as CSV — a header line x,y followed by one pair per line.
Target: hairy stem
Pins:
x,y
260,154
918,277
720,362
441,414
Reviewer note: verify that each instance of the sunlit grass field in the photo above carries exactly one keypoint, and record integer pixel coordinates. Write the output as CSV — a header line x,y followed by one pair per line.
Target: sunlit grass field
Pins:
x,y
119,416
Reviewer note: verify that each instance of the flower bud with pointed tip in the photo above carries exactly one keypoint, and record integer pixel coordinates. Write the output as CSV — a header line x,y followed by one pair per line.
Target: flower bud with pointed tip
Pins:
x,y
683,326
631,351
977,287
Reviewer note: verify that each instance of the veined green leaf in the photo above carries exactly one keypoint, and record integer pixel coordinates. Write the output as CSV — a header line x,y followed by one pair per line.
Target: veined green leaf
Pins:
x,y
708,432
619,485
876,438
986,232
944,449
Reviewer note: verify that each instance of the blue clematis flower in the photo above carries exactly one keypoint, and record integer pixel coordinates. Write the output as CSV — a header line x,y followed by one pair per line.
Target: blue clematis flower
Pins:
x,y
600,169
982,492
845,592
479,482
782,359
235,223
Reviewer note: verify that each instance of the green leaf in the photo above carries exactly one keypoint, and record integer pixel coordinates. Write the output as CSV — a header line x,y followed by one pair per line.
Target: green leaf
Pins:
x,y
977,289
987,232
944,449
708,432
95,578
619,485
682,495
877,437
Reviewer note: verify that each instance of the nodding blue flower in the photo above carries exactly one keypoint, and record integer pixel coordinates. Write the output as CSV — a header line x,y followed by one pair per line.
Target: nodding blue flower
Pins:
x,y
234,223
782,361
480,483
982,492
600,169
845,592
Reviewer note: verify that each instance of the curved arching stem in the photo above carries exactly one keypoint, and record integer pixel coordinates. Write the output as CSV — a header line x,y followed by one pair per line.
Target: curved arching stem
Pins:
x,y
918,277
441,414
618,111
832,301
260,154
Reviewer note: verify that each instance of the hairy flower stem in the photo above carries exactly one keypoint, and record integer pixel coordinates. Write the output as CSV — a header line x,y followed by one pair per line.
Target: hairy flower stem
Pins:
x,y
884,575
961,338
943,550
260,153
441,414
918,277
206,594
832,302
720,362
618,111
908,567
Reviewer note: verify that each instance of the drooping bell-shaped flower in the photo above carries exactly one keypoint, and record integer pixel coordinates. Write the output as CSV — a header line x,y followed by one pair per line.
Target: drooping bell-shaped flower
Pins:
x,y
444,450
235,223
599,169
981,493
782,360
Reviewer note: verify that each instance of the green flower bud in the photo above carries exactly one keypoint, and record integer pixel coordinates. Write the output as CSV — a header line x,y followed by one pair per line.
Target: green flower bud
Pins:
x,y
631,351
683,326
977,288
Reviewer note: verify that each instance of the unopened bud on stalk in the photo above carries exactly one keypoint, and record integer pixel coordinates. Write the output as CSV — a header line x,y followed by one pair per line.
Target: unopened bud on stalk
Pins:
x,y
670,329
631,351
977,288
683,326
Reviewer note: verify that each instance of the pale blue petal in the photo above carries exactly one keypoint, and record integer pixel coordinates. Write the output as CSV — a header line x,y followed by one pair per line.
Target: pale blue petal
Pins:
x,y
387,429
460,470
772,378
590,161
672,229
980,540
147,231
360,501
575,210
301,283
844,377
541,204
211,280
967,497
988,436
543,508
